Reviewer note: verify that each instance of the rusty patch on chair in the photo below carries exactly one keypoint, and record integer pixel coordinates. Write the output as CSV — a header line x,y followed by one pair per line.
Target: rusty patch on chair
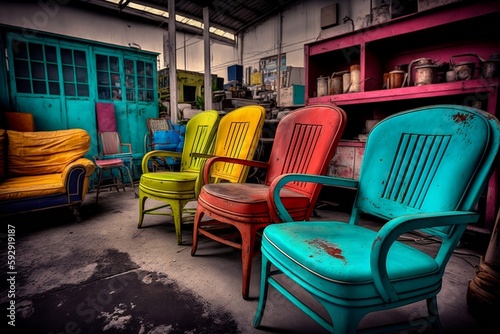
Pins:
x,y
459,118
331,249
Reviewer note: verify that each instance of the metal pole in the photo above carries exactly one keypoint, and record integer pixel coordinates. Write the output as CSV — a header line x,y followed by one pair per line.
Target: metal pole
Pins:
x,y
172,64
208,75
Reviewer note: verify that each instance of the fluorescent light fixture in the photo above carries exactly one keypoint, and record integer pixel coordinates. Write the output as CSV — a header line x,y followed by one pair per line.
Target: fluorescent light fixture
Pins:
x,y
179,18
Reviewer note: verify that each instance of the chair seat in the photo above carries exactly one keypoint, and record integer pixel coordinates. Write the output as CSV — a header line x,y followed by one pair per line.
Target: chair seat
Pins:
x,y
103,163
317,260
247,202
169,184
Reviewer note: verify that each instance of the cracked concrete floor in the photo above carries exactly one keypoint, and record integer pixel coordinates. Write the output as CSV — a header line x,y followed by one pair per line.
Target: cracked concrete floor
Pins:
x,y
104,275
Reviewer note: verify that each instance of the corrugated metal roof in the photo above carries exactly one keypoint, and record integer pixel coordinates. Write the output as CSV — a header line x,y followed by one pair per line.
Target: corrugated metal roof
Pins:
x,y
233,16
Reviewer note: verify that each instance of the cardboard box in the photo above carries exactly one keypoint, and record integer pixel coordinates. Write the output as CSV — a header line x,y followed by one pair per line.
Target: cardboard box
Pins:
x,y
291,96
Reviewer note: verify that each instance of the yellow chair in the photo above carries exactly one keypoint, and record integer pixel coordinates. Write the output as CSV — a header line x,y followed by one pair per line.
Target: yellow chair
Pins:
x,y
237,135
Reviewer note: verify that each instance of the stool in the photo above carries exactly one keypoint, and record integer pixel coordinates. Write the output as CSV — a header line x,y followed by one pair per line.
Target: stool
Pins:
x,y
110,164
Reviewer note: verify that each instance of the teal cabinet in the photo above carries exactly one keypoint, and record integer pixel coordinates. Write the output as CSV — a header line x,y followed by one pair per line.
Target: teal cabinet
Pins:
x,y
59,80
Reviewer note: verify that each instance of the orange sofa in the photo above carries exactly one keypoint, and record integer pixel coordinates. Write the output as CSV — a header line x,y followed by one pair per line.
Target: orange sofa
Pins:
x,y
43,169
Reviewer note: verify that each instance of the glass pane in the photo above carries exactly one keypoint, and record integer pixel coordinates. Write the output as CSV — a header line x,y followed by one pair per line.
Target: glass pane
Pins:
x,y
140,68
36,51
39,87
149,70
52,72
101,62
21,68
37,70
140,82
20,49
23,86
50,54
66,56
149,83
130,81
103,93
102,78
129,66
80,59
68,74
149,96
69,89
113,61
83,90
81,75
117,94
54,88
130,95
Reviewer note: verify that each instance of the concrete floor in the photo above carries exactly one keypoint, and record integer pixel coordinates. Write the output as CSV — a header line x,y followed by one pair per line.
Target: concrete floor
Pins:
x,y
61,266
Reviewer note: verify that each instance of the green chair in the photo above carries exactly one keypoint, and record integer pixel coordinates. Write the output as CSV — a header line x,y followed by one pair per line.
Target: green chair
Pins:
x,y
423,171
177,188
235,135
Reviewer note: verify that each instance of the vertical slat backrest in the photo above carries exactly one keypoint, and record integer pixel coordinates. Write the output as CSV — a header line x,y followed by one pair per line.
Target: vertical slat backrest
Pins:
x,y
199,138
110,143
237,137
305,142
427,160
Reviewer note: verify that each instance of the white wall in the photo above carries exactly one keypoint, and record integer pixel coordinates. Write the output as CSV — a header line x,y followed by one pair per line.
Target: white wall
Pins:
x,y
300,25
56,17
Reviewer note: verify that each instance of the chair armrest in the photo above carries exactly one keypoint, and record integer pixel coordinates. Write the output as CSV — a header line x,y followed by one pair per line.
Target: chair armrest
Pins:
x,y
275,204
210,161
394,228
75,177
157,153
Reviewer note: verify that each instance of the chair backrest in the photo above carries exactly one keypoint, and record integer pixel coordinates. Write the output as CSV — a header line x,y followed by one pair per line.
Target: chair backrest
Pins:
x,y
199,138
110,143
430,159
237,137
305,142
161,135
106,119
19,121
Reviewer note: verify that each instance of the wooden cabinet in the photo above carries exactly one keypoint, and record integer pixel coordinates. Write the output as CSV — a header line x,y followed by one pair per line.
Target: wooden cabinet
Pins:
x,y
439,34
59,80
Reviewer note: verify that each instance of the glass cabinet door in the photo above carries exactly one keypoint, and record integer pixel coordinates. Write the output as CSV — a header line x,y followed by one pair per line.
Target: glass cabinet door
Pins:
x,y
75,77
109,85
139,80
35,68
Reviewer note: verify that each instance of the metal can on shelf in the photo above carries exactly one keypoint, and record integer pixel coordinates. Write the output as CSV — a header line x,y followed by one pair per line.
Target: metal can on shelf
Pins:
x,y
355,84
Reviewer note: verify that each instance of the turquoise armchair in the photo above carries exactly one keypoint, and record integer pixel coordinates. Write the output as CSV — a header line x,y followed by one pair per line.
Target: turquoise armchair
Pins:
x,y
423,171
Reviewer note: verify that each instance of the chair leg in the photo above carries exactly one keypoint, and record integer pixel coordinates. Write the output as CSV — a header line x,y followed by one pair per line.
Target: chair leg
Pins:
x,y
197,219
264,288
142,201
177,215
432,308
247,252
99,179
130,178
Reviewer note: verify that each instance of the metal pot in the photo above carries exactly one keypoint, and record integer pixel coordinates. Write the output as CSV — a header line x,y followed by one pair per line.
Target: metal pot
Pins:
x,y
491,66
423,73
464,69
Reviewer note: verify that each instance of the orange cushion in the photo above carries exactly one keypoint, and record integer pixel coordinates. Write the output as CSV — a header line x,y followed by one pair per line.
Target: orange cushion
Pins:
x,y
44,152
31,186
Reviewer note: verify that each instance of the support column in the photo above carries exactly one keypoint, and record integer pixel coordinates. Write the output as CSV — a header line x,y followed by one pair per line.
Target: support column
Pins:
x,y
208,74
172,64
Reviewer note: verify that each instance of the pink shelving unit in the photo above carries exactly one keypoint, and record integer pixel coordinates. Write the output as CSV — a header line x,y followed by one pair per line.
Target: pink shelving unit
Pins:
x,y
440,33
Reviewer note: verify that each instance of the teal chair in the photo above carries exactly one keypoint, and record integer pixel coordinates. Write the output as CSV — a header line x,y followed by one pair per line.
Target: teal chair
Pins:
x,y
423,170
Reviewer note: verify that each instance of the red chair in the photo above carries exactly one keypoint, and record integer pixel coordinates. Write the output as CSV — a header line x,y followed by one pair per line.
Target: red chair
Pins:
x,y
305,142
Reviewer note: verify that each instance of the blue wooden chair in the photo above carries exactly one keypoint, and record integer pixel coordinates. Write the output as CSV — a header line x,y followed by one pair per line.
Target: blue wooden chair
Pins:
x,y
423,170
